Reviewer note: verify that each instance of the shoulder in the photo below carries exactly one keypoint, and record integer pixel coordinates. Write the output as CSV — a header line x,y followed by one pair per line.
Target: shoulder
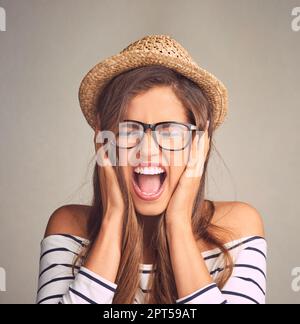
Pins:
x,y
68,219
240,218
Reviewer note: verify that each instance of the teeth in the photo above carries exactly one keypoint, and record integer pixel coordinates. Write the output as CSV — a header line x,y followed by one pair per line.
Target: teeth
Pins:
x,y
149,170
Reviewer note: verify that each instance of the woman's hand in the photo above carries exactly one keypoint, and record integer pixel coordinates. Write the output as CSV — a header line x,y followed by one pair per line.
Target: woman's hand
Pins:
x,y
179,210
113,203
105,254
189,268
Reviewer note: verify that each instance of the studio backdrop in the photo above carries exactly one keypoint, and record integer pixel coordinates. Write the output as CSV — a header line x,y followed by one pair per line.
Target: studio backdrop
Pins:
x,y
46,146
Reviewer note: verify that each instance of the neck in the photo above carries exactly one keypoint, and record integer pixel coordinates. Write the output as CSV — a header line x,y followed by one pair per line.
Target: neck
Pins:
x,y
150,227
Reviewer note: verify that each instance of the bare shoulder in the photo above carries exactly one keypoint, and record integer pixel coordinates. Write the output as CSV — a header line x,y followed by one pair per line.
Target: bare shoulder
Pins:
x,y
241,218
69,219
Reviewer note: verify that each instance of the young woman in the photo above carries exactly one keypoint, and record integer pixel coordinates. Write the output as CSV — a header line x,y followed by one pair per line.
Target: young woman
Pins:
x,y
149,236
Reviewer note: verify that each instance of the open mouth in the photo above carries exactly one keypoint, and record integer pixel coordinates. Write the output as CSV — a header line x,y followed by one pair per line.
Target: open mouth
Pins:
x,y
148,181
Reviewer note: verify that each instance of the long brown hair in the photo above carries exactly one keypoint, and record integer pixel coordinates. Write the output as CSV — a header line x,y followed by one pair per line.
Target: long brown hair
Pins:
x,y
111,108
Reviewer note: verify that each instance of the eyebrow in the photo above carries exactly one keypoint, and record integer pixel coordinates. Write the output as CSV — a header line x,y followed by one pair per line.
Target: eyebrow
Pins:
x,y
162,121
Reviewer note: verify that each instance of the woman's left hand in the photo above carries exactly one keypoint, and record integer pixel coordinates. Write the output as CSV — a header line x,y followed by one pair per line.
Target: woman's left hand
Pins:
x,y
179,210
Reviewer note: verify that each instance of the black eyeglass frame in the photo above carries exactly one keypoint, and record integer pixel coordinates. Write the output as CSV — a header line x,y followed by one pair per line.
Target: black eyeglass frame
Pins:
x,y
190,127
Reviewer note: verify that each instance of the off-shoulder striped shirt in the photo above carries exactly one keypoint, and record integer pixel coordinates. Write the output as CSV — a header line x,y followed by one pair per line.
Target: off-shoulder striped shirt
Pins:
x,y
56,283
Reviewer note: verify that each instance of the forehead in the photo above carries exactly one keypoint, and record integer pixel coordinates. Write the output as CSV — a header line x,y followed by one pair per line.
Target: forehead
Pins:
x,y
156,105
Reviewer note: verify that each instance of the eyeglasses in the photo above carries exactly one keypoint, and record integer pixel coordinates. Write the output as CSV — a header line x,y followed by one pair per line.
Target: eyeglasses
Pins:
x,y
169,135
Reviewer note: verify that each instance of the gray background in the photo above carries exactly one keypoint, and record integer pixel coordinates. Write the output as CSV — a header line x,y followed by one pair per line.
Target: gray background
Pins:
x,y
46,145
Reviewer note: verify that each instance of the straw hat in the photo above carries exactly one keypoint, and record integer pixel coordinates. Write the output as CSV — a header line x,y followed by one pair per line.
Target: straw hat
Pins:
x,y
149,50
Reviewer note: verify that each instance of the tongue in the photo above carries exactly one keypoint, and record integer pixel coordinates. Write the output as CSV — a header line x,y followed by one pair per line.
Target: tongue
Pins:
x,y
149,183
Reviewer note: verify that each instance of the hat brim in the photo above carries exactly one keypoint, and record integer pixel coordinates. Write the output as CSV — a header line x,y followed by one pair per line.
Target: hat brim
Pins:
x,y
95,80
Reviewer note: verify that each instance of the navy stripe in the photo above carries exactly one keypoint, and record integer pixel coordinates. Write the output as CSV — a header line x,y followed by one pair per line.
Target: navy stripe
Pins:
x,y
254,282
234,246
240,266
57,250
256,250
146,271
224,302
199,293
73,238
239,295
101,283
56,265
82,296
50,297
213,256
54,280
216,270
250,267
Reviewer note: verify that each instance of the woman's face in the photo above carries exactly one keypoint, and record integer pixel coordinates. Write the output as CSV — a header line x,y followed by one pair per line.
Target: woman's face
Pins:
x,y
150,190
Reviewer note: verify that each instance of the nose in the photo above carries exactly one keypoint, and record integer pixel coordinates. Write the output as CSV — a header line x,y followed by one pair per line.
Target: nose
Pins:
x,y
148,147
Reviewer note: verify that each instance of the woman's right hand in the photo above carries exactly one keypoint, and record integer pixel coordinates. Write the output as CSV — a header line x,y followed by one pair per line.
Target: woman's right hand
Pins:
x,y
105,254
112,199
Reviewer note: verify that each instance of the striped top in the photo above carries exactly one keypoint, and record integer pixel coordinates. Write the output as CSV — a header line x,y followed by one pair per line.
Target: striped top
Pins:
x,y
56,284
